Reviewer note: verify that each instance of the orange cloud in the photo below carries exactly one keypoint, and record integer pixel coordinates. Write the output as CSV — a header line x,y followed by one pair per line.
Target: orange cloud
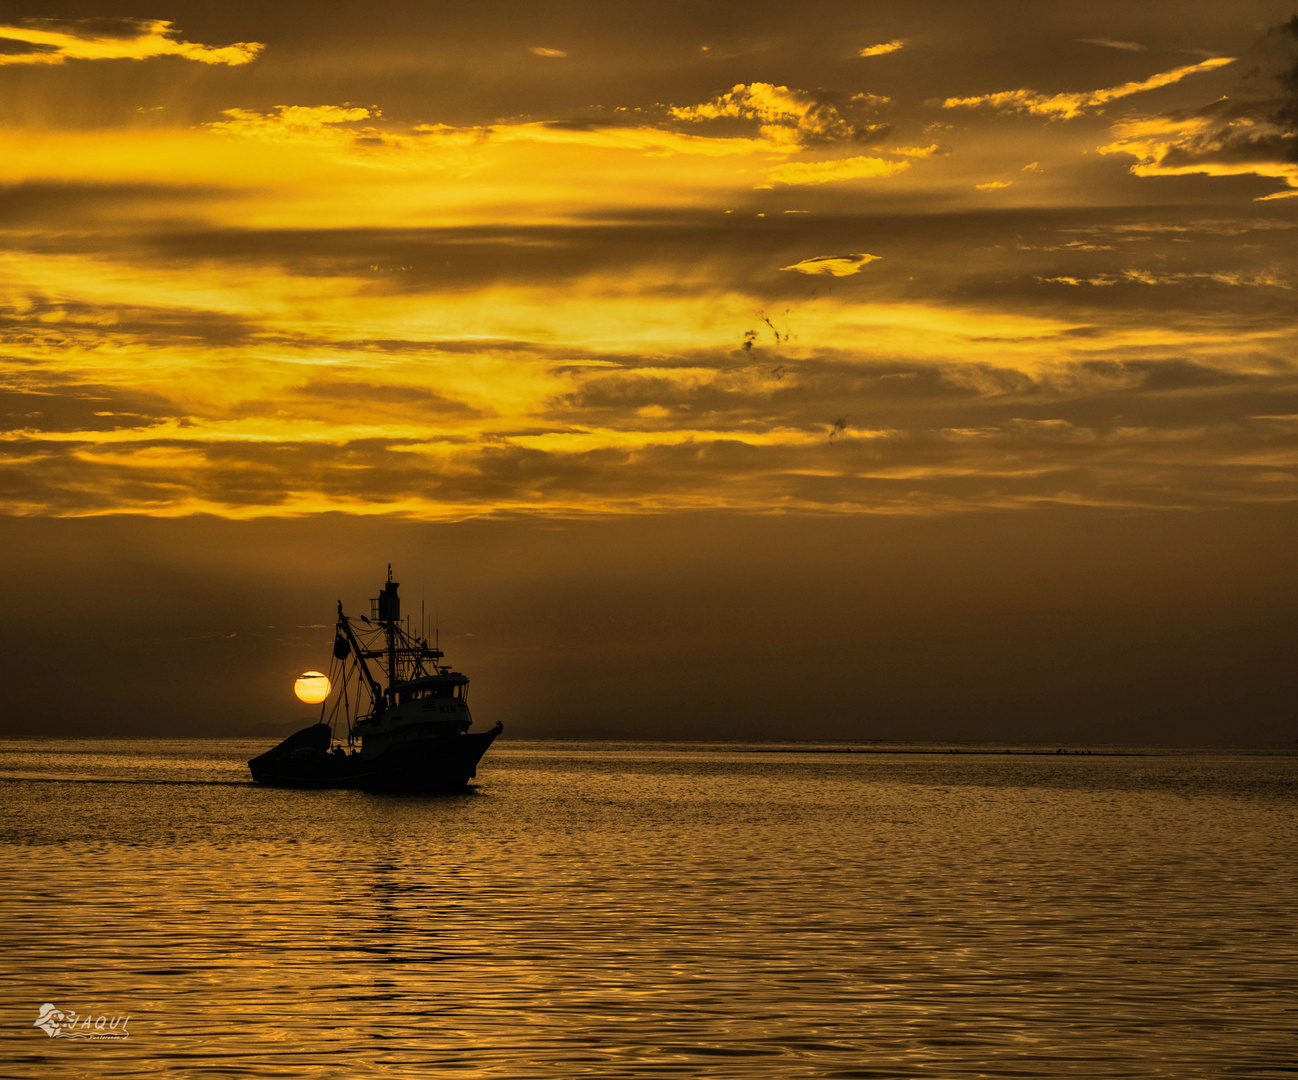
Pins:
x,y
1068,106
884,49
292,123
1225,139
54,41
790,115
834,265
824,172
1109,43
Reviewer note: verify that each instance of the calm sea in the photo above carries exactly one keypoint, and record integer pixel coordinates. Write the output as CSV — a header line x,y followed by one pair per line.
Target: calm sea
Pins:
x,y
627,910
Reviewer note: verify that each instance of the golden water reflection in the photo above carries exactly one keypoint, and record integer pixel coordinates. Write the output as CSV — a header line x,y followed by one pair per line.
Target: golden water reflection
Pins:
x,y
602,910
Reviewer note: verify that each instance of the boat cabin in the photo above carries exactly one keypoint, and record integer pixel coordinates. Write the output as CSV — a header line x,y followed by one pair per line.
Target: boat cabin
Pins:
x,y
449,685
429,707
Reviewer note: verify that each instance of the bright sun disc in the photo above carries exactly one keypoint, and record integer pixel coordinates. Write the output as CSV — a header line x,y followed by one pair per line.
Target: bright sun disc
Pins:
x,y
312,687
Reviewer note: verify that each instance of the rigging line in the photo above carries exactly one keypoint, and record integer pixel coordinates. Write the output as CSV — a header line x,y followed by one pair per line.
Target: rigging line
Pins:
x,y
346,705
334,663
341,665
324,704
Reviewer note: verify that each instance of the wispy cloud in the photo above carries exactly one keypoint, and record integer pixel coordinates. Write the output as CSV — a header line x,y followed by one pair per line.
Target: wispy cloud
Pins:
x,y
1233,278
540,50
834,265
1287,115
782,122
884,49
54,41
823,172
1109,43
340,129
1226,138
994,185
293,123
1067,106
805,117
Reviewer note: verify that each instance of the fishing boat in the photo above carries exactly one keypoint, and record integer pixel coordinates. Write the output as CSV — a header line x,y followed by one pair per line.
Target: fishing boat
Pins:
x,y
406,714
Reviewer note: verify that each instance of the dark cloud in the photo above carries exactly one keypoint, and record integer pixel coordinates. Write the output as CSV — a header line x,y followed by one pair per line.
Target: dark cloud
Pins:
x,y
419,401
91,29
55,206
72,407
1287,114
1249,131
9,47
63,323
1236,132
1100,396
954,256
919,440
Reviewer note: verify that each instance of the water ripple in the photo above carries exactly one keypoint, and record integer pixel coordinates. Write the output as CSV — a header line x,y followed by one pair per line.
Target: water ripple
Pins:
x,y
641,911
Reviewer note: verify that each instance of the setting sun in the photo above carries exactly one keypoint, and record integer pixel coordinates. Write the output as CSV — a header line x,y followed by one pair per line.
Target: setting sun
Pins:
x,y
312,687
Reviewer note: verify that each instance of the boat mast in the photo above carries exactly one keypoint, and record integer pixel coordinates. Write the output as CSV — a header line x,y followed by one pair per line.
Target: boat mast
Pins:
x,y
345,628
389,614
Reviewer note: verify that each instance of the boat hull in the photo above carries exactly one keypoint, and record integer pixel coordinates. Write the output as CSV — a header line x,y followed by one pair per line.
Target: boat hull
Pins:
x,y
424,765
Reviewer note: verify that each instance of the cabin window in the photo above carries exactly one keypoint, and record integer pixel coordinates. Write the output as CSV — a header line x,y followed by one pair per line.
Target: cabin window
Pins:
x,y
435,691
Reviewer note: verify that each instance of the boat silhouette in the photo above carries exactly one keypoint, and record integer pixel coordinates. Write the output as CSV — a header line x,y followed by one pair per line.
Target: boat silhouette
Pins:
x,y
406,714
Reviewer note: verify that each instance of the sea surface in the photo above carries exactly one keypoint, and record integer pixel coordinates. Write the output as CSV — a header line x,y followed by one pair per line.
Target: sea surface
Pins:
x,y
647,910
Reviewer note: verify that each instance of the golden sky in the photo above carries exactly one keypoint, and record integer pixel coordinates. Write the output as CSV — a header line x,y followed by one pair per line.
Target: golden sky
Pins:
x,y
571,259
940,354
